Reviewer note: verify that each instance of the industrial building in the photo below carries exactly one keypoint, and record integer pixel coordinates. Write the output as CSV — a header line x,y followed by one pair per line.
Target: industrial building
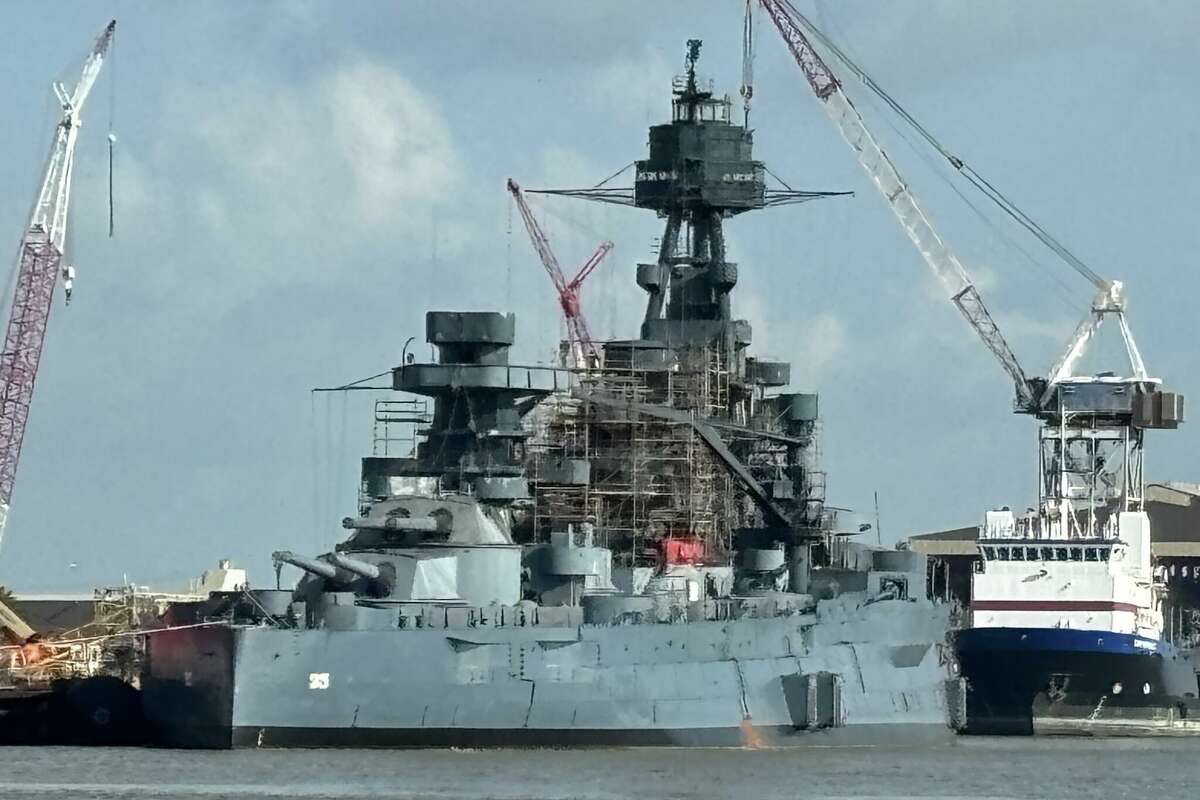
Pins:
x,y
1174,510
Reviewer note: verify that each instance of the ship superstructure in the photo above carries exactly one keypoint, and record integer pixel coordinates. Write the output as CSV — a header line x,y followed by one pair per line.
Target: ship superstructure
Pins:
x,y
635,551
679,444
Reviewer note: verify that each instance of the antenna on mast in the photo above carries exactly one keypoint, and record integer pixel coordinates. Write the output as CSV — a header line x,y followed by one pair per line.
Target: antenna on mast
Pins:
x,y
747,88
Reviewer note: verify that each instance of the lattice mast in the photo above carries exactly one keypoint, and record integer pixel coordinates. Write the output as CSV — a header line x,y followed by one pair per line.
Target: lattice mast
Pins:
x,y
39,265
584,353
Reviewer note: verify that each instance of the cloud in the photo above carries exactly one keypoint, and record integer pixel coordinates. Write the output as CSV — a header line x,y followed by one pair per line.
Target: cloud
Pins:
x,y
919,45
394,141
357,153
635,89
816,345
1019,326
824,345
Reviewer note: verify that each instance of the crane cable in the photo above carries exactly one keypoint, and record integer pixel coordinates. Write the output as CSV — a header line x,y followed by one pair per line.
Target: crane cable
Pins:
x,y
112,137
508,259
977,180
1035,266
1065,294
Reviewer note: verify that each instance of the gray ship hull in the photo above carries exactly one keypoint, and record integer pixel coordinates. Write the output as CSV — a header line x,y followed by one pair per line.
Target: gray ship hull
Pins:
x,y
848,673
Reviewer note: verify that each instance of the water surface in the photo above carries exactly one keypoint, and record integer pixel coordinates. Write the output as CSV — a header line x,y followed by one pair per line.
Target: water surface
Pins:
x,y
974,768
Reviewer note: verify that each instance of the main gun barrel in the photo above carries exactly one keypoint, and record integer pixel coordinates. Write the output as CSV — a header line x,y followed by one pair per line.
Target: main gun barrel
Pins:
x,y
361,568
311,565
422,524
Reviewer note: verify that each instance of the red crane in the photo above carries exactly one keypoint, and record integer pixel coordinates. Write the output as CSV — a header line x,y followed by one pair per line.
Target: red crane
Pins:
x,y
40,263
579,338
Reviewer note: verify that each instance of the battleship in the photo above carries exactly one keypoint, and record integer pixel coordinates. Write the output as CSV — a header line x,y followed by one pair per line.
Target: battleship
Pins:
x,y
631,548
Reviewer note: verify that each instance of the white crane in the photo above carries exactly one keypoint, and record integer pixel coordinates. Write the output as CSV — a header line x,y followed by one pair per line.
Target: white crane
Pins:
x,y
1089,424
1031,396
39,267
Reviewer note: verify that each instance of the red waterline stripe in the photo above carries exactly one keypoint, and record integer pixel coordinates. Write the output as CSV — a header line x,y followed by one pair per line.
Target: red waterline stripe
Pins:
x,y
1052,605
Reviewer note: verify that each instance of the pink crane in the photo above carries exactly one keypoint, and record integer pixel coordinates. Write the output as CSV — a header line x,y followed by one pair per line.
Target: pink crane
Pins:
x,y
40,263
583,348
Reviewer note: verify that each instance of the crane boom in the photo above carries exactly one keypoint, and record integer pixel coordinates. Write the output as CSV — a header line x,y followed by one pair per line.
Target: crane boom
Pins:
x,y
883,173
39,262
579,336
1090,444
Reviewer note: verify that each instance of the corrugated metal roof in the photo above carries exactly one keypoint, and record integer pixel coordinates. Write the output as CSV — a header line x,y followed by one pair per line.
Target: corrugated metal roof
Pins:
x,y
1174,512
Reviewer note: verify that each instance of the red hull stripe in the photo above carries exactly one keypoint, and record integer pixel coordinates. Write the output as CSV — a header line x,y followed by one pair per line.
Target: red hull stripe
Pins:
x,y
1052,605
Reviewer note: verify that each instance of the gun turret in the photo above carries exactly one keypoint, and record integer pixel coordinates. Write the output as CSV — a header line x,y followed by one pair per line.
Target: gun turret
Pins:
x,y
312,566
423,524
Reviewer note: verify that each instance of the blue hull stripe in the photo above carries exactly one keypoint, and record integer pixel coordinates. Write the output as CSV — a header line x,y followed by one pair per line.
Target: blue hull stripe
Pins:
x,y
1062,640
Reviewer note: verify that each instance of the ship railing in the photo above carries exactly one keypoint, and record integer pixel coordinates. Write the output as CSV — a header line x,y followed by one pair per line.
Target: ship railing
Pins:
x,y
398,425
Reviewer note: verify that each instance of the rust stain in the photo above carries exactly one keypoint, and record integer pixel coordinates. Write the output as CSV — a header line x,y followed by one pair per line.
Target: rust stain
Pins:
x,y
750,737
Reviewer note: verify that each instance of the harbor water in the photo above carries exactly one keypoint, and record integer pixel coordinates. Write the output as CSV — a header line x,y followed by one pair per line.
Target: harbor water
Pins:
x,y
970,767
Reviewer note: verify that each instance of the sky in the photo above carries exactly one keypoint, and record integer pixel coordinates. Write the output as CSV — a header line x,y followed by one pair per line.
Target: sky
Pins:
x,y
296,183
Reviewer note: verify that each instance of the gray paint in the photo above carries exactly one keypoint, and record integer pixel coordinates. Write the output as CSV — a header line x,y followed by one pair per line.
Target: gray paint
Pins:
x,y
542,641
524,678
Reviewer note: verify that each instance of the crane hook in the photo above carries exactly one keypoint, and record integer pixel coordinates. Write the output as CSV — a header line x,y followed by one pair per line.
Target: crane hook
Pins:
x,y
68,279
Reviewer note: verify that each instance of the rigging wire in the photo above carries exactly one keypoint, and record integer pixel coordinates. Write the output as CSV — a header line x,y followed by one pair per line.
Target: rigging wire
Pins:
x,y
1034,266
968,172
327,468
576,223
776,177
339,466
314,459
357,384
621,171
508,259
1062,290
111,208
608,279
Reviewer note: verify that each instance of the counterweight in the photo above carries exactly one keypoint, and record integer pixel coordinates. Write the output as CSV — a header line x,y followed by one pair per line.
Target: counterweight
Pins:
x,y
39,264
